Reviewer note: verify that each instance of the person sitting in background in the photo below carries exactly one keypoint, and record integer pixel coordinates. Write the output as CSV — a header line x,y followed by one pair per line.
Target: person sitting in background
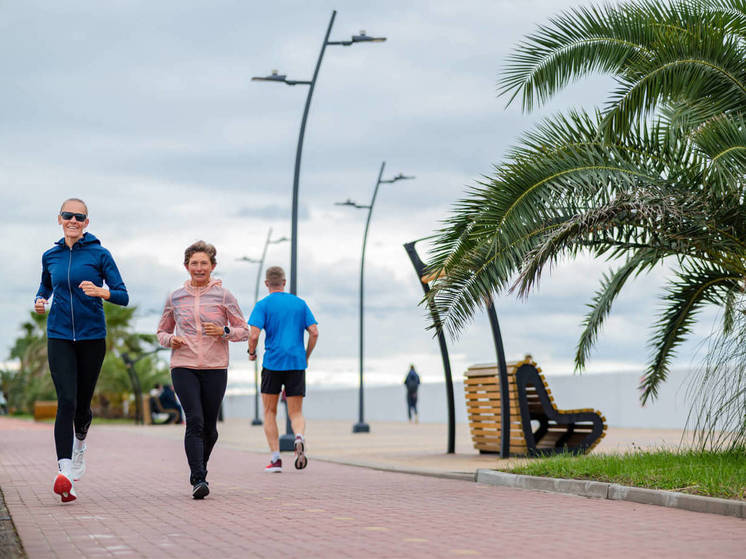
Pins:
x,y
168,400
157,407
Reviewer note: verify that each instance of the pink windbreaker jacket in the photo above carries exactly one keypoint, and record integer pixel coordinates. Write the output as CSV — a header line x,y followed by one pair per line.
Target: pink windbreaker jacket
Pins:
x,y
185,311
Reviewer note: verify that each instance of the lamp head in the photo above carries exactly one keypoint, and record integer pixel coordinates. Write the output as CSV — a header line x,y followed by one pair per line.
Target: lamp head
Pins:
x,y
275,76
350,203
363,38
402,177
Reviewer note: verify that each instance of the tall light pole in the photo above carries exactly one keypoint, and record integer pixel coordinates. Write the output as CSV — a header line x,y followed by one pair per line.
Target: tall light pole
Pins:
x,y
282,78
361,426
269,241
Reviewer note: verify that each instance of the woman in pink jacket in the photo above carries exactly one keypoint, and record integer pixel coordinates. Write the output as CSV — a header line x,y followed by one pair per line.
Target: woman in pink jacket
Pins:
x,y
198,321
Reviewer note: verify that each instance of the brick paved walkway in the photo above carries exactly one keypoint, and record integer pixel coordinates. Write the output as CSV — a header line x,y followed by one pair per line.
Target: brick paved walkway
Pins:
x,y
134,501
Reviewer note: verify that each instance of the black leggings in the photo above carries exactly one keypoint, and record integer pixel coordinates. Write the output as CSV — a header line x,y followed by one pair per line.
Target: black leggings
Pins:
x,y
200,392
75,367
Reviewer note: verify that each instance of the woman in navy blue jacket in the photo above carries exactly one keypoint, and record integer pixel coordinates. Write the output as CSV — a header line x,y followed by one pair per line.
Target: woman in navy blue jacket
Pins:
x,y
73,273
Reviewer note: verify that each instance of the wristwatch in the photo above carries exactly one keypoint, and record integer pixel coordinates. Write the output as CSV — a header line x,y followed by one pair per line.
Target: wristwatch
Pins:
x,y
226,331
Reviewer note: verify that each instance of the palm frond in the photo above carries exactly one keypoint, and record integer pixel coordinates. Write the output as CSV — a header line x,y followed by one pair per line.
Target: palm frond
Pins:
x,y
611,286
685,296
575,43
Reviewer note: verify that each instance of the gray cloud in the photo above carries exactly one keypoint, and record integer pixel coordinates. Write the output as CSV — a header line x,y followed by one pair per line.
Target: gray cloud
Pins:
x,y
146,110
272,212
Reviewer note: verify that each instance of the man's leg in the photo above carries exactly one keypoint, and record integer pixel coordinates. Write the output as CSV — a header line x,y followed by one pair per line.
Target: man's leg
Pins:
x,y
295,411
270,421
295,389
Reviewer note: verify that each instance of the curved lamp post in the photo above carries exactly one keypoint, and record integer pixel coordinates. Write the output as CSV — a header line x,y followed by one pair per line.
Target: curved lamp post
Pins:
x,y
361,426
135,380
275,76
269,241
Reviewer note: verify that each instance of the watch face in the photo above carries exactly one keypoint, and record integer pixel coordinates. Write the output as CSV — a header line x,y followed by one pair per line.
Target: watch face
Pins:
x,y
226,330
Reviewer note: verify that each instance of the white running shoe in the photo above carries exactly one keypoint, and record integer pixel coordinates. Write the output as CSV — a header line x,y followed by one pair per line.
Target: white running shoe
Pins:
x,y
78,463
63,486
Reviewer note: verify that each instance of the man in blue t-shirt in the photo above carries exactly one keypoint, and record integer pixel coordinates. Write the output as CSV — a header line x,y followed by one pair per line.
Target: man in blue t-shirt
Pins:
x,y
284,318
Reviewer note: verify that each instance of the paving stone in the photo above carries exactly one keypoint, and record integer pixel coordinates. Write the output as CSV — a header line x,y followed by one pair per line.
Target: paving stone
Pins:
x,y
135,500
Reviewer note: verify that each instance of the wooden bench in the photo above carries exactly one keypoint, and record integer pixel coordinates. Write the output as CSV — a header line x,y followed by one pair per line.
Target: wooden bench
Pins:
x,y
536,426
45,409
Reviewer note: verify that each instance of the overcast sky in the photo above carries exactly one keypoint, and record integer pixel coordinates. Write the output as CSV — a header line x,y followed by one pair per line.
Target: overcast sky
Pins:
x,y
147,112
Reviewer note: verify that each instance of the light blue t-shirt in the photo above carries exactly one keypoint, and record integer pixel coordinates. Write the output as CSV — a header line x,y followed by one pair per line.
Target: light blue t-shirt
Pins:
x,y
284,318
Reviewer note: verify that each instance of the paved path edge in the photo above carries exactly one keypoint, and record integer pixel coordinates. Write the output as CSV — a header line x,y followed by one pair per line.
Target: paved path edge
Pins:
x,y
463,476
613,491
10,543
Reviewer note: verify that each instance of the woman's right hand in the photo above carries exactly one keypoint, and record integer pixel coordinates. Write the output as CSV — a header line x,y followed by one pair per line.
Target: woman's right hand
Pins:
x,y
177,342
40,306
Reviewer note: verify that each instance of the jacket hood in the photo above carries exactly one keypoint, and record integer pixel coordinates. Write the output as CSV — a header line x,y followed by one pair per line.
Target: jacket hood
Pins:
x,y
86,239
194,290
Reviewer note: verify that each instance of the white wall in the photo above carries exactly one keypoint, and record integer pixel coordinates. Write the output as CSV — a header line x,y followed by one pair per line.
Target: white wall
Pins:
x,y
614,394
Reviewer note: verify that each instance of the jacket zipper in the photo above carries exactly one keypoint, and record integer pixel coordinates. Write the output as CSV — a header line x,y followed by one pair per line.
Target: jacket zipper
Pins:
x,y
70,291
198,325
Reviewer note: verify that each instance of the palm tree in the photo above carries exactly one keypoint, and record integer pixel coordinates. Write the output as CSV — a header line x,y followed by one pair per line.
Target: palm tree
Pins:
x,y
32,380
658,175
114,383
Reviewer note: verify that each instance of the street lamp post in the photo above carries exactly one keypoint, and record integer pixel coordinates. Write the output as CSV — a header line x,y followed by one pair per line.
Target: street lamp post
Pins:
x,y
269,241
135,380
361,426
282,78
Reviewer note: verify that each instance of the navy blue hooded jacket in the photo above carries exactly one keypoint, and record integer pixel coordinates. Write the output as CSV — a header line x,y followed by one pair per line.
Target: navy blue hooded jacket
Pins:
x,y
75,315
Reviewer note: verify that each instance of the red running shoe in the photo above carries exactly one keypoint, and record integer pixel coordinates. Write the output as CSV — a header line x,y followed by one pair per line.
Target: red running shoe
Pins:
x,y
63,486
274,466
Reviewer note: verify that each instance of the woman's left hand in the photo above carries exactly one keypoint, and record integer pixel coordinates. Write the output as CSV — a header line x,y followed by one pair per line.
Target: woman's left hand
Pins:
x,y
212,329
92,290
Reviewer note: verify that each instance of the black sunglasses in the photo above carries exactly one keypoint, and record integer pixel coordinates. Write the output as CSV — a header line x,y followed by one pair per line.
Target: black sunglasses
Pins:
x,y
70,215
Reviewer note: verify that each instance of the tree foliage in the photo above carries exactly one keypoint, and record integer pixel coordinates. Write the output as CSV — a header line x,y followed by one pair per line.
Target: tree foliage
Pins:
x,y
657,175
31,379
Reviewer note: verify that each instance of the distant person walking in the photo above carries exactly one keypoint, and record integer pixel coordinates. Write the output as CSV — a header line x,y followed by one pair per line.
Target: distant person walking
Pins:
x,y
73,274
198,321
412,382
284,318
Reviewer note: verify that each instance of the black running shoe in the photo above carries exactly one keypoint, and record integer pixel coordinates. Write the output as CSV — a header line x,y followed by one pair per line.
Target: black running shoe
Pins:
x,y
301,460
200,490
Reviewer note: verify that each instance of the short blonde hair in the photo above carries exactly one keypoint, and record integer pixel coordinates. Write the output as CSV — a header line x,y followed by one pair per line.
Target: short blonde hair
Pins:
x,y
74,200
275,276
200,246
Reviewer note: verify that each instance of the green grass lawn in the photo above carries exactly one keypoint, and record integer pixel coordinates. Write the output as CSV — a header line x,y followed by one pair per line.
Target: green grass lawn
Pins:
x,y
714,474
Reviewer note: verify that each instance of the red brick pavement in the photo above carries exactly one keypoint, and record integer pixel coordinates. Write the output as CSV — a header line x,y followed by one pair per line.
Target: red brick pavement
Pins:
x,y
135,501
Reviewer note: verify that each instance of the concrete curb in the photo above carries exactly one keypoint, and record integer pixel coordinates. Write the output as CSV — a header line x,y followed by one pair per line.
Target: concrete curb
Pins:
x,y
613,491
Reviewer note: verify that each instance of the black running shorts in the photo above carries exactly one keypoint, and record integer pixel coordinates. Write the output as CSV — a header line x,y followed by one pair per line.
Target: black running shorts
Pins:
x,y
294,382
